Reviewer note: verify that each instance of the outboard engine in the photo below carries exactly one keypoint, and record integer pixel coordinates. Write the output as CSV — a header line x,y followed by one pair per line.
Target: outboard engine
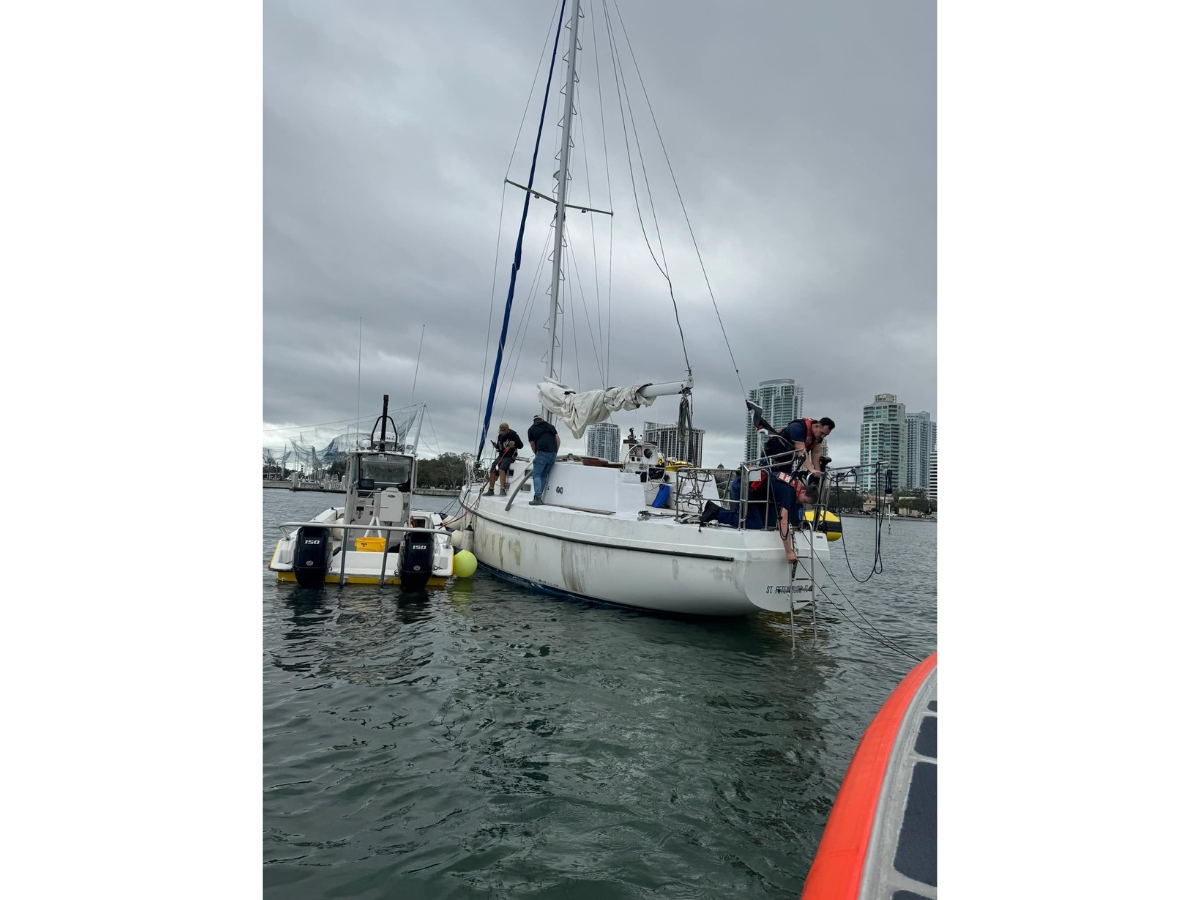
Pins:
x,y
416,563
311,559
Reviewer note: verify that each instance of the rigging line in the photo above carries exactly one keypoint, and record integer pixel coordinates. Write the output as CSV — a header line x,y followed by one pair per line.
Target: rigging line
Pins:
x,y
618,68
638,143
595,263
532,88
587,175
877,562
491,308
500,227
608,357
429,418
628,154
417,368
851,602
607,374
513,377
574,330
510,365
682,206
526,320
588,318
885,642
317,425
587,178
520,240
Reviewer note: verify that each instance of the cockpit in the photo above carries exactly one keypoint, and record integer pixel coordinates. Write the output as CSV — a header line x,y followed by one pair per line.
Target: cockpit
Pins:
x,y
381,472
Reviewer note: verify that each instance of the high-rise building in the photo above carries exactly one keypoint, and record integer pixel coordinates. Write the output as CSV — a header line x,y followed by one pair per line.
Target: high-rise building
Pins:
x,y
781,400
932,493
604,441
919,440
883,440
666,436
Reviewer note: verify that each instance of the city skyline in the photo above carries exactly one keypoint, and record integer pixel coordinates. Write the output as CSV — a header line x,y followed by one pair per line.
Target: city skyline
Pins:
x,y
780,395
604,441
919,443
666,436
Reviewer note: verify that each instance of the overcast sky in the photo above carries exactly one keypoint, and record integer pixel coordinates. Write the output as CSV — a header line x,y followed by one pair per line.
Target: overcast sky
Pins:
x,y
803,139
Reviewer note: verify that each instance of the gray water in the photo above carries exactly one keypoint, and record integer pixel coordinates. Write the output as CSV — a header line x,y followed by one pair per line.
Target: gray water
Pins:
x,y
483,740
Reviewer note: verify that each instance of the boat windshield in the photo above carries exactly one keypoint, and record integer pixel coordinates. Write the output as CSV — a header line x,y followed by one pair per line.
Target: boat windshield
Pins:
x,y
386,471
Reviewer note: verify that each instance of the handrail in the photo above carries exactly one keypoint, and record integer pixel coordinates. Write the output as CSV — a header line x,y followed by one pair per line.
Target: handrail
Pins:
x,y
362,526
517,488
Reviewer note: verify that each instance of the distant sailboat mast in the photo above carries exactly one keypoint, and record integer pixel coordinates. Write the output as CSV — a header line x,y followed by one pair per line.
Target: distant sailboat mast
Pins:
x,y
560,207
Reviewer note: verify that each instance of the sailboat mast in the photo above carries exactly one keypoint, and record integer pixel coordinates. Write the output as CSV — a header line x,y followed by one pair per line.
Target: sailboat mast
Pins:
x,y
560,208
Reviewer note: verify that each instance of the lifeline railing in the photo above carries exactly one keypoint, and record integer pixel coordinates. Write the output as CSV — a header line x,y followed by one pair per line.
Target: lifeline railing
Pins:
x,y
346,540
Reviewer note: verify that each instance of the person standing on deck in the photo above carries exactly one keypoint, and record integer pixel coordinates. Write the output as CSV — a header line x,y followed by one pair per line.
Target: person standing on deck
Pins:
x,y
544,441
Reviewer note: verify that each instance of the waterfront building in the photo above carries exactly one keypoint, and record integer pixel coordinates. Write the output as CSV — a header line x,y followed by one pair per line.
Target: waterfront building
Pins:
x,y
883,440
781,400
919,440
932,493
604,441
666,436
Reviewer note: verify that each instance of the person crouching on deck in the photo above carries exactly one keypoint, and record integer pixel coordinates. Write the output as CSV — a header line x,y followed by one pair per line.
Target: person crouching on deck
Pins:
x,y
787,492
508,442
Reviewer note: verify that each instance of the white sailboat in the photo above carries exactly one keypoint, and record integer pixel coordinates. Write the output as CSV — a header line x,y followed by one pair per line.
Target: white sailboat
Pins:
x,y
627,532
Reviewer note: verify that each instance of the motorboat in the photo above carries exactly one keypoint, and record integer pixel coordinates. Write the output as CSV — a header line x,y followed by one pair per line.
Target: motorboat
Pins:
x,y
377,536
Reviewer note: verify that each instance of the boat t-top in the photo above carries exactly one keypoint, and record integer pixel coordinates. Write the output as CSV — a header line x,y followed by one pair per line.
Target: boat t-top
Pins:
x,y
376,537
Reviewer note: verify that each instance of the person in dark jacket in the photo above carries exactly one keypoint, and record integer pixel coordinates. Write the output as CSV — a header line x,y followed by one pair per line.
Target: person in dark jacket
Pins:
x,y
798,442
544,441
788,493
507,442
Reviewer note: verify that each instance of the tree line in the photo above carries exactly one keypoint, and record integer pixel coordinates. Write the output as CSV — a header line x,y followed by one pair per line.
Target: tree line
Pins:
x,y
851,500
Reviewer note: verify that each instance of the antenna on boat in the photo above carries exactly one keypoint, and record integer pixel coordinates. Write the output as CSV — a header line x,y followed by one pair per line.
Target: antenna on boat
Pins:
x,y
358,395
417,369
381,424
560,207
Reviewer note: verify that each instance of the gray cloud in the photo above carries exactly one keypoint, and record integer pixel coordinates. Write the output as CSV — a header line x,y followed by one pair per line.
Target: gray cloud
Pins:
x,y
803,137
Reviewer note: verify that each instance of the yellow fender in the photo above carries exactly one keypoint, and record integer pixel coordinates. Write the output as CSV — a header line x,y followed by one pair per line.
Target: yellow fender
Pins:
x,y
829,525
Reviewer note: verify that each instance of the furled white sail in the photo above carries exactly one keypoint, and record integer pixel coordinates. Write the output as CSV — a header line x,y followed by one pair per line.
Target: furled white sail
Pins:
x,y
581,409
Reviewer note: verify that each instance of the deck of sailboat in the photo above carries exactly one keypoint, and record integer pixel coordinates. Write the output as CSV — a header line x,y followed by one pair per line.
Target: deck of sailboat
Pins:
x,y
653,526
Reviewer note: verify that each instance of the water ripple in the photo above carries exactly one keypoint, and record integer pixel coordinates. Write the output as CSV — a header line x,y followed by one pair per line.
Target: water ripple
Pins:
x,y
484,740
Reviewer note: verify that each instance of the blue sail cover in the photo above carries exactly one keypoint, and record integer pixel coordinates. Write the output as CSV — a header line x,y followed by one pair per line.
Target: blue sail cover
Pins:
x,y
512,282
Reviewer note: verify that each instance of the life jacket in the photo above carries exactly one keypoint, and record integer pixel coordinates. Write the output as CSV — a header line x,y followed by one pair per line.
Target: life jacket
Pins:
x,y
778,450
797,484
810,441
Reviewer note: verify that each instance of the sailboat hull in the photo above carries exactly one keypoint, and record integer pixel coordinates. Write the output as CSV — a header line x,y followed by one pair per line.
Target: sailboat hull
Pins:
x,y
657,564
